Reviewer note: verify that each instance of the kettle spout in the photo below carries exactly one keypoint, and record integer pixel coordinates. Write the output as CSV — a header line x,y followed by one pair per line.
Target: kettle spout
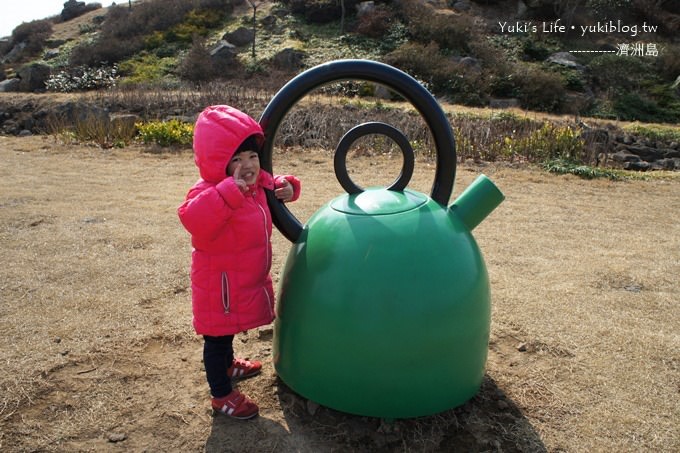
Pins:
x,y
477,201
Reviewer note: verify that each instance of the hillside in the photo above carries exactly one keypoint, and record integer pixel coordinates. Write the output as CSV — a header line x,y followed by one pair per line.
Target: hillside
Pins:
x,y
541,57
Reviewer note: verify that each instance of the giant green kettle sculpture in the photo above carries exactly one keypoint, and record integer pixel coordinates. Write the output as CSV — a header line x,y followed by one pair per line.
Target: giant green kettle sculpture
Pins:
x,y
384,306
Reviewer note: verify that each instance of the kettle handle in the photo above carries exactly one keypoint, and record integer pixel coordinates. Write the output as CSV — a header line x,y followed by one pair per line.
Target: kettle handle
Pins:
x,y
371,71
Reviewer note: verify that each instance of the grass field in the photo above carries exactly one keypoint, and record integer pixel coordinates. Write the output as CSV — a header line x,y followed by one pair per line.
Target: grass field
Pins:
x,y
98,353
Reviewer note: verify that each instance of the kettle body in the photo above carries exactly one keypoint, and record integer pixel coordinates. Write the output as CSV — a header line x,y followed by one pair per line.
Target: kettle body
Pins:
x,y
383,315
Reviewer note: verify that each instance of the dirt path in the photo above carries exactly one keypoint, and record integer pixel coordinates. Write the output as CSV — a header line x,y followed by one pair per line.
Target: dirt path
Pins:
x,y
98,353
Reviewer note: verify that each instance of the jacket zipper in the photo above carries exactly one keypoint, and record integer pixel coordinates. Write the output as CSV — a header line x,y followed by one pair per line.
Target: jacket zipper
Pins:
x,y
266,240
225,292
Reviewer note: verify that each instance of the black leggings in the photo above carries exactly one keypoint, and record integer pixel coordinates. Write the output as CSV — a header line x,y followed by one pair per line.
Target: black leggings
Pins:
x,y
218,354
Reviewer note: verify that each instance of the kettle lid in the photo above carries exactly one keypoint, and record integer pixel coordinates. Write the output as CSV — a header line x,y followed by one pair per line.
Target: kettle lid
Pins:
x,y
378,201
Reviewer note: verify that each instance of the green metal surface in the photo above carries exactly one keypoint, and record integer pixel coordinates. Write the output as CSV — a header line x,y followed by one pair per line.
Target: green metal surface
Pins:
x,y
384,305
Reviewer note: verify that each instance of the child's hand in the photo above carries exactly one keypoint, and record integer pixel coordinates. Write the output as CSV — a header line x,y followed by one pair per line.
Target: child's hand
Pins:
x,y
241,183
285,190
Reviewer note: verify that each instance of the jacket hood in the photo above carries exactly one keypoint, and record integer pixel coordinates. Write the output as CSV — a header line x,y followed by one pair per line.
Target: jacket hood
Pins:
x,y
219,131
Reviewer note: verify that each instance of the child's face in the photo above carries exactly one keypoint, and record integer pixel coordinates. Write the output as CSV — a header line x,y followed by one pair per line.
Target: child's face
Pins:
x,y
245,166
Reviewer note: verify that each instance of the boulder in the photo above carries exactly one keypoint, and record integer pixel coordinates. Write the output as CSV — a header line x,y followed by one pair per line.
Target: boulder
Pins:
x,y
624,156
240,37
289,59
364,8
9,85
223,52
71,113
73,9
33,77
565,59
498,103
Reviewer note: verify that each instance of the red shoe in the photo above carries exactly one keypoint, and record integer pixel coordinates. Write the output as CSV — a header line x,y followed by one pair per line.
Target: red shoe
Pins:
x,y
235,405
242,369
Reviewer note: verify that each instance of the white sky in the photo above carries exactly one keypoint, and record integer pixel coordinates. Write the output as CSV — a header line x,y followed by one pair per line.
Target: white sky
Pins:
x,y
28,10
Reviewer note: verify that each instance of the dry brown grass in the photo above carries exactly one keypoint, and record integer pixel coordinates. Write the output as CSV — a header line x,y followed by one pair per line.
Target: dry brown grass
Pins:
x,y
94,314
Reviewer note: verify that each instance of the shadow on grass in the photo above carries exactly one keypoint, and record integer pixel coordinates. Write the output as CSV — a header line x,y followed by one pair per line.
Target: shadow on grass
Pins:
x,y
488,422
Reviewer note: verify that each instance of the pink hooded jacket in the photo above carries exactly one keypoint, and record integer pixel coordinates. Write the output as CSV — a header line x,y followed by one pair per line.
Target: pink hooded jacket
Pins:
x,y
230,231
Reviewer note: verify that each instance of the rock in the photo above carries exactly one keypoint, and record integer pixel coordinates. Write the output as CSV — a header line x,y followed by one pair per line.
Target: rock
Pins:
x,y
223,54
637,166
461,5
33,77
624,156
240,37
51,53
80,112
268,22
289,59
503,103
124,121
73,9
312,407
364,8
382,92
9,85
14,54
564,59
265,333
522,347
470,64
521,9
645,152
117,437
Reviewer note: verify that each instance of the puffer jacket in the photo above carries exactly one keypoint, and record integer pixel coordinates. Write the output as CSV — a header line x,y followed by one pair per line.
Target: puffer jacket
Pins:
x,y
230,231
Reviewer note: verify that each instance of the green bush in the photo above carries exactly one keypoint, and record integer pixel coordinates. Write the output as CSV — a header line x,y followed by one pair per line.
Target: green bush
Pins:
x,y
166,133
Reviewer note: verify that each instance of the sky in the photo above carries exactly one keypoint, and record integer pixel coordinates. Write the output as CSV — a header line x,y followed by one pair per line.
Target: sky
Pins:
x,y
28,10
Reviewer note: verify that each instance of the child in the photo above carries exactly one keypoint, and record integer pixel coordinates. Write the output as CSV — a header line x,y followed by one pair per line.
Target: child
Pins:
x,y
227,215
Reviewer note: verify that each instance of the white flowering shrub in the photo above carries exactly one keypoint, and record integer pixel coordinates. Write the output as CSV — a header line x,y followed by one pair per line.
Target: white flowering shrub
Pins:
x,y
83,78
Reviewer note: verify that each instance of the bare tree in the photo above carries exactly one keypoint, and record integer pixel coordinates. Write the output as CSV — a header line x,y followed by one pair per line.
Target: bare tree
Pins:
x,y
255,4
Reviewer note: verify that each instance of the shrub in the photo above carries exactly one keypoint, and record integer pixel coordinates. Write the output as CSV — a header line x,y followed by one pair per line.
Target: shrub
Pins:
x,y
34,34
540,90
548,142
441,74
196,66
635,107
376,23
566,167
610,71
449,31
166,133
105,51
654,132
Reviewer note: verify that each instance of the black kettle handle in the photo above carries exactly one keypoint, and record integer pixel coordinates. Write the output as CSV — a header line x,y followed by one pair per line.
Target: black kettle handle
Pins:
x,y
370,71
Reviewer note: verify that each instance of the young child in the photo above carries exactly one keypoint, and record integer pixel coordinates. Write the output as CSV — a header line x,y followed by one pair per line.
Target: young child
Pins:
x,y
227,215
